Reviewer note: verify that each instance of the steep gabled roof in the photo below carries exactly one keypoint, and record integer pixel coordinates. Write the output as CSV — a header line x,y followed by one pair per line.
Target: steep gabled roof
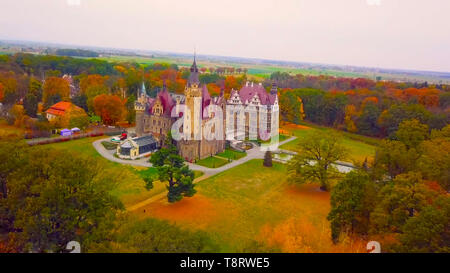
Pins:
x,y
166,100
248,91
61,108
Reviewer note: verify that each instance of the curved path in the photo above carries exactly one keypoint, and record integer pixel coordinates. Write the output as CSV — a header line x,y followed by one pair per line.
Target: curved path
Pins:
x,y
254,153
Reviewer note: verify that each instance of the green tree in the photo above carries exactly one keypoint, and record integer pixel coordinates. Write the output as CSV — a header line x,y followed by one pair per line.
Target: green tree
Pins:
x,y
131,113
79,121
267,159
81,101
171,169
393,158
367,122
429,231
315,158
30,105
412,133
352,200
11,152
398,201
435,160
57,196
156,236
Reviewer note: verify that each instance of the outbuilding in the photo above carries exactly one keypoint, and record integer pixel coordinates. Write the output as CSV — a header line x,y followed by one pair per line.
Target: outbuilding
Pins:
x,y
137,147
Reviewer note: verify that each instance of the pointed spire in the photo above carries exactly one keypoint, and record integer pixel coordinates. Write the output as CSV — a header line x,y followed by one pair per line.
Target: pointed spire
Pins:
x,y
193,77
143,91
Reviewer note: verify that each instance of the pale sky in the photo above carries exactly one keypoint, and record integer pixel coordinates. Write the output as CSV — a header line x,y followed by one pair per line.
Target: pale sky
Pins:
x,y
408,34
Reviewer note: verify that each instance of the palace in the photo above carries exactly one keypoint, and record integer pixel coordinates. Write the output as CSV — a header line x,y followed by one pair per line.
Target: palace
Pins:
x,y
154,115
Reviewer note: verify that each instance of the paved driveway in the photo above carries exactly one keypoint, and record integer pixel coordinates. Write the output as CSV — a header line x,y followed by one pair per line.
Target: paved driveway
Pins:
x,y
254,153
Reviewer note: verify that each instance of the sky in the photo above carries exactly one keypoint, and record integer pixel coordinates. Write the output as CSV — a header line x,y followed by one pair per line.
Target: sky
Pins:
x,y
405,34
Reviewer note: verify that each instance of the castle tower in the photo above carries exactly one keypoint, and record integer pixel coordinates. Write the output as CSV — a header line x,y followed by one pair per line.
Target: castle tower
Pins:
x,y
139,107
193,95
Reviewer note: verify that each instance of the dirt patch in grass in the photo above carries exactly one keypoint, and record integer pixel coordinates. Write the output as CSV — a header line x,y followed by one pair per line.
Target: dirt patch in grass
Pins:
x,y
311,191
197,211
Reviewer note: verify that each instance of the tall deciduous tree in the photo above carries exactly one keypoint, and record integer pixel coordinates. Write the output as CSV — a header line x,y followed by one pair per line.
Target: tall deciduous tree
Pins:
x,y
110,108
352,200
315,158
54,86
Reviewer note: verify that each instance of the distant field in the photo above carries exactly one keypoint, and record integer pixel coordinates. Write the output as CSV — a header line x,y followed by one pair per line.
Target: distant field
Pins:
x,y
253,205
259,72
359,147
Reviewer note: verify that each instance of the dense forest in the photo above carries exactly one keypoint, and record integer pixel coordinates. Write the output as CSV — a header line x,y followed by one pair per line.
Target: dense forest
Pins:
x,y
361,105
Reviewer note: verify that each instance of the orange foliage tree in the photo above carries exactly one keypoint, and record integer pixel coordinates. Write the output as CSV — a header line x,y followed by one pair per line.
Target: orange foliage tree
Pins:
x,y
55,86
110,108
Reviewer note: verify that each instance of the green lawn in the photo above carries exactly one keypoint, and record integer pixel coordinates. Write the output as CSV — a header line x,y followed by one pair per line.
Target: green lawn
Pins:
x,y
232,154
212,162
253,205
359,147
131,186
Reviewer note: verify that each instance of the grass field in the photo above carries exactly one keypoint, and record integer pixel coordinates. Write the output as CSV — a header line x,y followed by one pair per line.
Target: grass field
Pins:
x,y
212,162
232,154
359,147
252,208
131,188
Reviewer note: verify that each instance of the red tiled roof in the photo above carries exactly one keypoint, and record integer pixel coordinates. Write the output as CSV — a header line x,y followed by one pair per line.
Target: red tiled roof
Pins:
x,y
60,108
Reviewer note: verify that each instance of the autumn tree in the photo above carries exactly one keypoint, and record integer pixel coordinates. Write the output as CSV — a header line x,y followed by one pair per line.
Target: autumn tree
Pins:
x,y
91,86
171,169
434,162
53,87
412,133
399,200
110,108
429,231
315,157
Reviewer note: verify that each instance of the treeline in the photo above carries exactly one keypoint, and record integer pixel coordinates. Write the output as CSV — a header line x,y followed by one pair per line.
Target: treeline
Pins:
x,y
76,53
374,112
328,83
41,65
30,84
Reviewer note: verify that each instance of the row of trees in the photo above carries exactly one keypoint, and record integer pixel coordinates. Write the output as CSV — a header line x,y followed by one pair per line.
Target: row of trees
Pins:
x,y
367,112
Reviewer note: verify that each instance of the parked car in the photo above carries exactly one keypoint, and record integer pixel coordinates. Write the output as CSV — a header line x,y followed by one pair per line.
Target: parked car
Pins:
x,y
116,139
